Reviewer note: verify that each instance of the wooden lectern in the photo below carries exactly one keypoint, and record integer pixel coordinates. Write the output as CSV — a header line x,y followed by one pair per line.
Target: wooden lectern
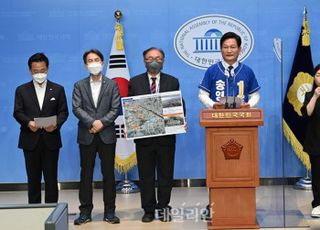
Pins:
x,y
232,165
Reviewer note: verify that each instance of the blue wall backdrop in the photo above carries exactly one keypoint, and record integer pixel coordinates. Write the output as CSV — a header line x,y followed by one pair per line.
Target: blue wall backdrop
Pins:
x,y
65,29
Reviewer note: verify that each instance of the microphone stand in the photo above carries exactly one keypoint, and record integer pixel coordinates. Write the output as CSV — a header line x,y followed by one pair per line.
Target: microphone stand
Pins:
x,y
226,104
234,96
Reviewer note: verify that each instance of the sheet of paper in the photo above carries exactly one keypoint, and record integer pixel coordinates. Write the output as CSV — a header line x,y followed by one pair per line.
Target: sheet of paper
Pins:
x,y
42,122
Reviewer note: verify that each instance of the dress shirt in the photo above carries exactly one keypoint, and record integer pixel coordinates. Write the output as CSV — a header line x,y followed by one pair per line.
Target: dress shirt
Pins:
x,y
157,81
40,91
226,67
95,90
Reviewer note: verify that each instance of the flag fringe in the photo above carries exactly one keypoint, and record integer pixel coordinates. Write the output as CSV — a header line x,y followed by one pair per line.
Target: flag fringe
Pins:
x,y
124,165
296,145
119,35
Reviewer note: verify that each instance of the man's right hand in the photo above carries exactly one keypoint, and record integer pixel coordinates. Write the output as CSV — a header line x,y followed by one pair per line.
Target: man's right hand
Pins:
x,y
218,105
32,125
97,126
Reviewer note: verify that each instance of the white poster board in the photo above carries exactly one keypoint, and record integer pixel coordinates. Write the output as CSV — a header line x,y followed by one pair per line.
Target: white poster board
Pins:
x,y
153,115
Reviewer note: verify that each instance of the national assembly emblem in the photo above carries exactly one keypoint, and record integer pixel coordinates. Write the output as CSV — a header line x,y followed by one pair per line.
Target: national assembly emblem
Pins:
x,y
197,41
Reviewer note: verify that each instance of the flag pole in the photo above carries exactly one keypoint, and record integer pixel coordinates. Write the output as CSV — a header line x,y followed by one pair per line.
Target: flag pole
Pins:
x,y
125,186
304,183
277,43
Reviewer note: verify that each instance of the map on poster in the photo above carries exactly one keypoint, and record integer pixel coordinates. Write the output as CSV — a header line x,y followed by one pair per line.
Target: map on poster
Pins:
x,y
153,115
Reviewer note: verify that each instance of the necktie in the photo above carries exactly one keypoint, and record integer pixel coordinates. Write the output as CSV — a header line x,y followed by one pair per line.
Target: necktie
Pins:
x,y
153,88
230,67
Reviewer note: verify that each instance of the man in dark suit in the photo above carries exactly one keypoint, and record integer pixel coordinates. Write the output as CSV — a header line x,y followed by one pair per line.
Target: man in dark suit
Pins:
x,y
40,98
96,103
155,153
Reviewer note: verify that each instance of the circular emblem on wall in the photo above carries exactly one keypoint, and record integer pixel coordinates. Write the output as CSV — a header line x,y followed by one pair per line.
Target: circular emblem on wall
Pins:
x,y
197,42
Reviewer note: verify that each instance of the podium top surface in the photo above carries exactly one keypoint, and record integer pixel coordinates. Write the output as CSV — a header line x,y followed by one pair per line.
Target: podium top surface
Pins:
x,y
231,117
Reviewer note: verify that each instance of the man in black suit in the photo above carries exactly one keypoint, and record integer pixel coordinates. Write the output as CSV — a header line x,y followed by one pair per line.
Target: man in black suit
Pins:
x,y
40,98
96,103
155,153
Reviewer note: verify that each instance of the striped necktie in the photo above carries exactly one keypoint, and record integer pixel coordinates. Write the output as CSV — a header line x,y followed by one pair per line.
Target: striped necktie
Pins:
x,y
229,70
153,88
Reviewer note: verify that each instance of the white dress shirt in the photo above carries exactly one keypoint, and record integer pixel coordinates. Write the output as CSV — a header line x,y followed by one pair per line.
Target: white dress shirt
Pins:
x,y
40,91
95,89
226,66
157,81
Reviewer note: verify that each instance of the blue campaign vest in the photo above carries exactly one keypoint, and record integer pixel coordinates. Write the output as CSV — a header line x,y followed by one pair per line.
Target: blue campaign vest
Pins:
x,y
242,84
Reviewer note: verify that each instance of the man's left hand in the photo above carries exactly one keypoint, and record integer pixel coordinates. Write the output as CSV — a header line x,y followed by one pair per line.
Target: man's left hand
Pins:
x,y
97,126
50,128
245,106
185,126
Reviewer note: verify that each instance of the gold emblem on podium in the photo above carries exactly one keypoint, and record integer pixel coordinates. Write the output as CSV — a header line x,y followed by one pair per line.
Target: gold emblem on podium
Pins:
x,y
232,150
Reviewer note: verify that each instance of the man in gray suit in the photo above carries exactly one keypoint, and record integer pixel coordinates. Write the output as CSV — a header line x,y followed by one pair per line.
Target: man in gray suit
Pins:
x,y
96,103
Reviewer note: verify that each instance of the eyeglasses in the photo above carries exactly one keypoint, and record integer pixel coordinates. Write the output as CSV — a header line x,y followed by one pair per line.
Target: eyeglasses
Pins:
x,y
317,75
151,59
230,47
90,60
35,71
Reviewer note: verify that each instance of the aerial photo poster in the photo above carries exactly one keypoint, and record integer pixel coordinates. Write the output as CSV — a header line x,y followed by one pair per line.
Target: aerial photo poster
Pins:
x,y
153,115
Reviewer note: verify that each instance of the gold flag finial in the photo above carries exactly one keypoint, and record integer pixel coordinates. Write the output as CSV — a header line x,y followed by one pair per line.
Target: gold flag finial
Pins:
x,y
118,30
306,30
118,15
305,12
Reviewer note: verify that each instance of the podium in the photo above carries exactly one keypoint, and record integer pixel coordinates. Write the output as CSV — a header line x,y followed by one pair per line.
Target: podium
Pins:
x,y
232,161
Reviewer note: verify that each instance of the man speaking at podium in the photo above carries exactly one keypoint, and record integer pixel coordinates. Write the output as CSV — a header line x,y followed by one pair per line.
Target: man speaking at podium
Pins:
x,y
229,80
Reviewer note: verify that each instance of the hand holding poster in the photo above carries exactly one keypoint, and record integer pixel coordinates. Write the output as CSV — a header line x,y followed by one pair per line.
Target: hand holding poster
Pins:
x,y
153,115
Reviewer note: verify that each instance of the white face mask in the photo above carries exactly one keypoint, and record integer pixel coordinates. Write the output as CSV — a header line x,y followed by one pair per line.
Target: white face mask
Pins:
x,y
40,77
95,68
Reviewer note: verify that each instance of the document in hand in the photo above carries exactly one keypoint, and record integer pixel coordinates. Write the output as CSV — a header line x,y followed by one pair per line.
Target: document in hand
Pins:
x,y
43,122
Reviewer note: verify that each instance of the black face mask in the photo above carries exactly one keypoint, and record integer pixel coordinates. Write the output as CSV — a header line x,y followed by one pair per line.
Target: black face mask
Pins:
x,y
154,66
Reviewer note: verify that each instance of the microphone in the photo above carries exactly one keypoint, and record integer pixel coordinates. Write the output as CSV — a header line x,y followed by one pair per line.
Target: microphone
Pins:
x,y
234,105
226,104
229,73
